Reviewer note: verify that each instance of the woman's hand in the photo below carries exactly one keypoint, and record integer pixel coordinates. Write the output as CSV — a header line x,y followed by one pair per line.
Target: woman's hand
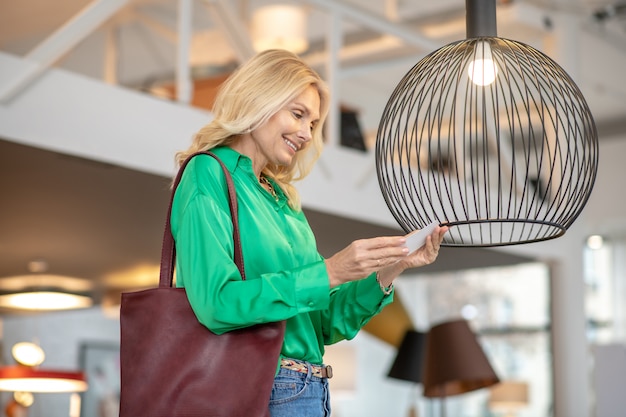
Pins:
x,y
428,253
362,257
388,254
425,255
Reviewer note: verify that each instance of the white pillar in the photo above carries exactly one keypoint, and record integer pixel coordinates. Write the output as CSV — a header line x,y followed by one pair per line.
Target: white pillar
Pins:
x,y
570,347
184,84
569,342
334,42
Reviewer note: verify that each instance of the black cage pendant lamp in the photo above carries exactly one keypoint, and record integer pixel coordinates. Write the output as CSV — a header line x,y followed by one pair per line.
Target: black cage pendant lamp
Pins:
x,y
490,137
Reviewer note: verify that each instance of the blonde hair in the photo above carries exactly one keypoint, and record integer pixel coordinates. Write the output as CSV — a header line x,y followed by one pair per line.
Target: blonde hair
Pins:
x,y
249,97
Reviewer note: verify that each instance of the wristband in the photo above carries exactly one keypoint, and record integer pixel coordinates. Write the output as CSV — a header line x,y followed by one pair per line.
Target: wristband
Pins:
x,y
385,290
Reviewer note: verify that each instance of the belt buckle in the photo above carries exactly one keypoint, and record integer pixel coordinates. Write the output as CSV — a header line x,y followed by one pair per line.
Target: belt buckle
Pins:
x,y
328,370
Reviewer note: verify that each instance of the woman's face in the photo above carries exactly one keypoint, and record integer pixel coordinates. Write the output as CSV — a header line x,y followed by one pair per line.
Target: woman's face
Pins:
x,y
286,132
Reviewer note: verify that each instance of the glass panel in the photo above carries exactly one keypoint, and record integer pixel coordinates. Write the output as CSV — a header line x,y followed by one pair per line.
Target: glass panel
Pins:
x,y
509,309
599,290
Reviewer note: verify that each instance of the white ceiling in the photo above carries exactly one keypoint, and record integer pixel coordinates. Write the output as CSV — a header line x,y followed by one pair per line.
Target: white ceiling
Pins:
x,y
371,60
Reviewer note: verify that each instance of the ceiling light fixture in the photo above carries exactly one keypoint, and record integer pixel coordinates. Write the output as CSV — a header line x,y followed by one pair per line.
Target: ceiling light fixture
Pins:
x,y
489,137
280,26
28,354
19,378
27,377
44,300
40,291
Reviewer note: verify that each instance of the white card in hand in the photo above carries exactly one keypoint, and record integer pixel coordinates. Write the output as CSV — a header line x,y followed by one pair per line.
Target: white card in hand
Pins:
x,y
417,238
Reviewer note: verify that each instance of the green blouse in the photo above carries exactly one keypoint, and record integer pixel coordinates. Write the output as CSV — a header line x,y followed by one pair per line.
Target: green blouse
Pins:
x,y
286,277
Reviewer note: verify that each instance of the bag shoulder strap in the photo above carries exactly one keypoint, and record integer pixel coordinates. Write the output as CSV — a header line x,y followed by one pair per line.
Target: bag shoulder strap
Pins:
x,y
168,248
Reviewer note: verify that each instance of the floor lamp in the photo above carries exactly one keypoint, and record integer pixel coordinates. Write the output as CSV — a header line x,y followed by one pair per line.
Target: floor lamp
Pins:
x,y
454,362
409,362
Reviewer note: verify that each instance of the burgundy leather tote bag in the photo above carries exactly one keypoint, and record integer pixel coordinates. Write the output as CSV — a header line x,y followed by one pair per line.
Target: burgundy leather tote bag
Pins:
x,y
173,366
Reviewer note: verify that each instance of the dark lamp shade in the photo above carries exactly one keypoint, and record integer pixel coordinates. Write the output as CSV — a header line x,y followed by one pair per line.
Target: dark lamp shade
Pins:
x,y
409,362
455,362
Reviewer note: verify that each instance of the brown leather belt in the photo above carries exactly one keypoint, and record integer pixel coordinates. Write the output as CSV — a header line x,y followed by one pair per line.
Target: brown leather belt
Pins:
x,y
323,371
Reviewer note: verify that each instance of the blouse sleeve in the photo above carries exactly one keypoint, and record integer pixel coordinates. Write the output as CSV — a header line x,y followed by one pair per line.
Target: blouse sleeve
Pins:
x,y
352,305
221,300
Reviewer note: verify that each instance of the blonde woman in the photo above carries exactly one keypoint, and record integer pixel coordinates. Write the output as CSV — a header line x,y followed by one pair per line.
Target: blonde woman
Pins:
x,y
267,130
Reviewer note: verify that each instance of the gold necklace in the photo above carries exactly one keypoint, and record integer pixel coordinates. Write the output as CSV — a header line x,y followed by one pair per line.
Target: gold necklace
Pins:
x,y
263,180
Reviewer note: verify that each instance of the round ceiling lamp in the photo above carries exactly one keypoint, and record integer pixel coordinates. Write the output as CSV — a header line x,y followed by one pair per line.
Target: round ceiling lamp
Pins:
x,y
19,378
280,26
41,291
28,354
489,137
27,377
48,300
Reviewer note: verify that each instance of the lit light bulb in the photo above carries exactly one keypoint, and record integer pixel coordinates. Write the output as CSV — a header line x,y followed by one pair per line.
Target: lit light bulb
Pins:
x,y
595,242
469,312
25,399
280,26
482,70
28,354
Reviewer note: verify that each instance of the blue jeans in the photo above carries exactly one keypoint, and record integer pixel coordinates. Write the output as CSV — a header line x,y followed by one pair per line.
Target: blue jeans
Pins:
x,y
296,394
